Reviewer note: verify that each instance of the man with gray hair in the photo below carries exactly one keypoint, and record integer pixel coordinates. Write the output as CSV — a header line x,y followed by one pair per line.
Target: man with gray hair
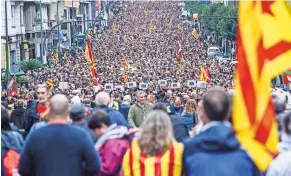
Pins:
x,y
59,148
139,110
102,101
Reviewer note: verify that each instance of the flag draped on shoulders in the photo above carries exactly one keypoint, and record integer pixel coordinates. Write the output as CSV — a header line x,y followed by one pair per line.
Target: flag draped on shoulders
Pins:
x,y
89,57
137,163
264,51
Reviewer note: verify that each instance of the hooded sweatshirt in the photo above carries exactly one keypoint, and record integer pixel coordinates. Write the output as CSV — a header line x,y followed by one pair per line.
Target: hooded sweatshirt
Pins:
x,y
112,146
212,152
17,117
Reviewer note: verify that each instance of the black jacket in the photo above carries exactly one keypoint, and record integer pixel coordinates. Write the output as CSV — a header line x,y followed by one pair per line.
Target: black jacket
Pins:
x,y
17,117
30,116
179,127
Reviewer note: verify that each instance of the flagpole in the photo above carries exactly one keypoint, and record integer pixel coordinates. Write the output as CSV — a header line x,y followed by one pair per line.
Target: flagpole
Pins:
x,y
6,45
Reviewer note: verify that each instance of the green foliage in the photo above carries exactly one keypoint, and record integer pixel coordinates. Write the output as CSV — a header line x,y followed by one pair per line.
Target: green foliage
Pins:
x,y
222,26
22,79
30,64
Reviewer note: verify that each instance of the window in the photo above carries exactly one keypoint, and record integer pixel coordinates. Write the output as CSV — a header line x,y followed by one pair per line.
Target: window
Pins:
x,y
21,12
13,14
65,14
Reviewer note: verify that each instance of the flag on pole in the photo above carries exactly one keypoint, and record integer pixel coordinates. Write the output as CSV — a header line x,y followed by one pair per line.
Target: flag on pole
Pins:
x,y
125,63
113,27
179,55
180,27
56,56
151,26
195,34
170,23
89,57
12,87
125,77
264,51
204,74
287,77
50,83
171,63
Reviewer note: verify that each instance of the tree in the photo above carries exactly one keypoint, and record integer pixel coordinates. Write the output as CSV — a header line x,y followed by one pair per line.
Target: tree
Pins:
x,y
31,64
221,26
22,79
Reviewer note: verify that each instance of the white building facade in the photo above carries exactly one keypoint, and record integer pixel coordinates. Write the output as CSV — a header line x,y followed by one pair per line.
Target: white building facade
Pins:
x,y
16,34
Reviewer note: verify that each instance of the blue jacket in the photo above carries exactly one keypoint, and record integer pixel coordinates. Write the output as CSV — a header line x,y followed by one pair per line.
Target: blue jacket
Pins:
x,y
189,120
179,127
178,111
216,151
124,109
114,116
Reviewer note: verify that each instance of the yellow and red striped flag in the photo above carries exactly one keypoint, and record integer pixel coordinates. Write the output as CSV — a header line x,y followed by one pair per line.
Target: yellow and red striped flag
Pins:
x,y
125,62
89,57
125,77
137,163
50,83
264,51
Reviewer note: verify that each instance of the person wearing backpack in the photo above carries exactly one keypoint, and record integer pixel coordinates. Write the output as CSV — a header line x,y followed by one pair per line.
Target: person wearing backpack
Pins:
x,y
112,144
37,109
102,101
11,146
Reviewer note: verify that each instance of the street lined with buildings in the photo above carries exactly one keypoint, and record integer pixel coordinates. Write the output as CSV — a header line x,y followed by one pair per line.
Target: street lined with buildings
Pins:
x,y
26,19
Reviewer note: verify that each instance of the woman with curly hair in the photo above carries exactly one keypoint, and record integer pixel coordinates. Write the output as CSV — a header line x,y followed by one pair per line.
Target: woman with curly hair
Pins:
x,y
189,115
155,152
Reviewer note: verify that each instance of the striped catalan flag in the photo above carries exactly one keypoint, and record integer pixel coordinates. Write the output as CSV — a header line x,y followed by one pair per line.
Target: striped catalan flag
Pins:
x,y
264,51
195,34
50,83
125,77
89,57
137,163
125,62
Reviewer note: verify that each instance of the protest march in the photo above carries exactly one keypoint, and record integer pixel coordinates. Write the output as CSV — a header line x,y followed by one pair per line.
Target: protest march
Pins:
x,y
145,96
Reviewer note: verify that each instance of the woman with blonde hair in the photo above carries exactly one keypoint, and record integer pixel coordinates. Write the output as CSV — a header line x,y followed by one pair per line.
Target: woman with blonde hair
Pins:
x,y
189,115
155,152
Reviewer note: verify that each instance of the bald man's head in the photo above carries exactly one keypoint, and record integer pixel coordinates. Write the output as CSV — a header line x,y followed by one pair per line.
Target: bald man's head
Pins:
x,y
216,104
59,106
102,98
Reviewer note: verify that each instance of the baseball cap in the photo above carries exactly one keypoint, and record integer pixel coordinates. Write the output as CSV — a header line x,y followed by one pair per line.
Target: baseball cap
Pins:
x,y
77,111
126,98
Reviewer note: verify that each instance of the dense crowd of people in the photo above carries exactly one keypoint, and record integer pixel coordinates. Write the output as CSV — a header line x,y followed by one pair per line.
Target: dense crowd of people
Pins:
x,y
146,34
158,131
